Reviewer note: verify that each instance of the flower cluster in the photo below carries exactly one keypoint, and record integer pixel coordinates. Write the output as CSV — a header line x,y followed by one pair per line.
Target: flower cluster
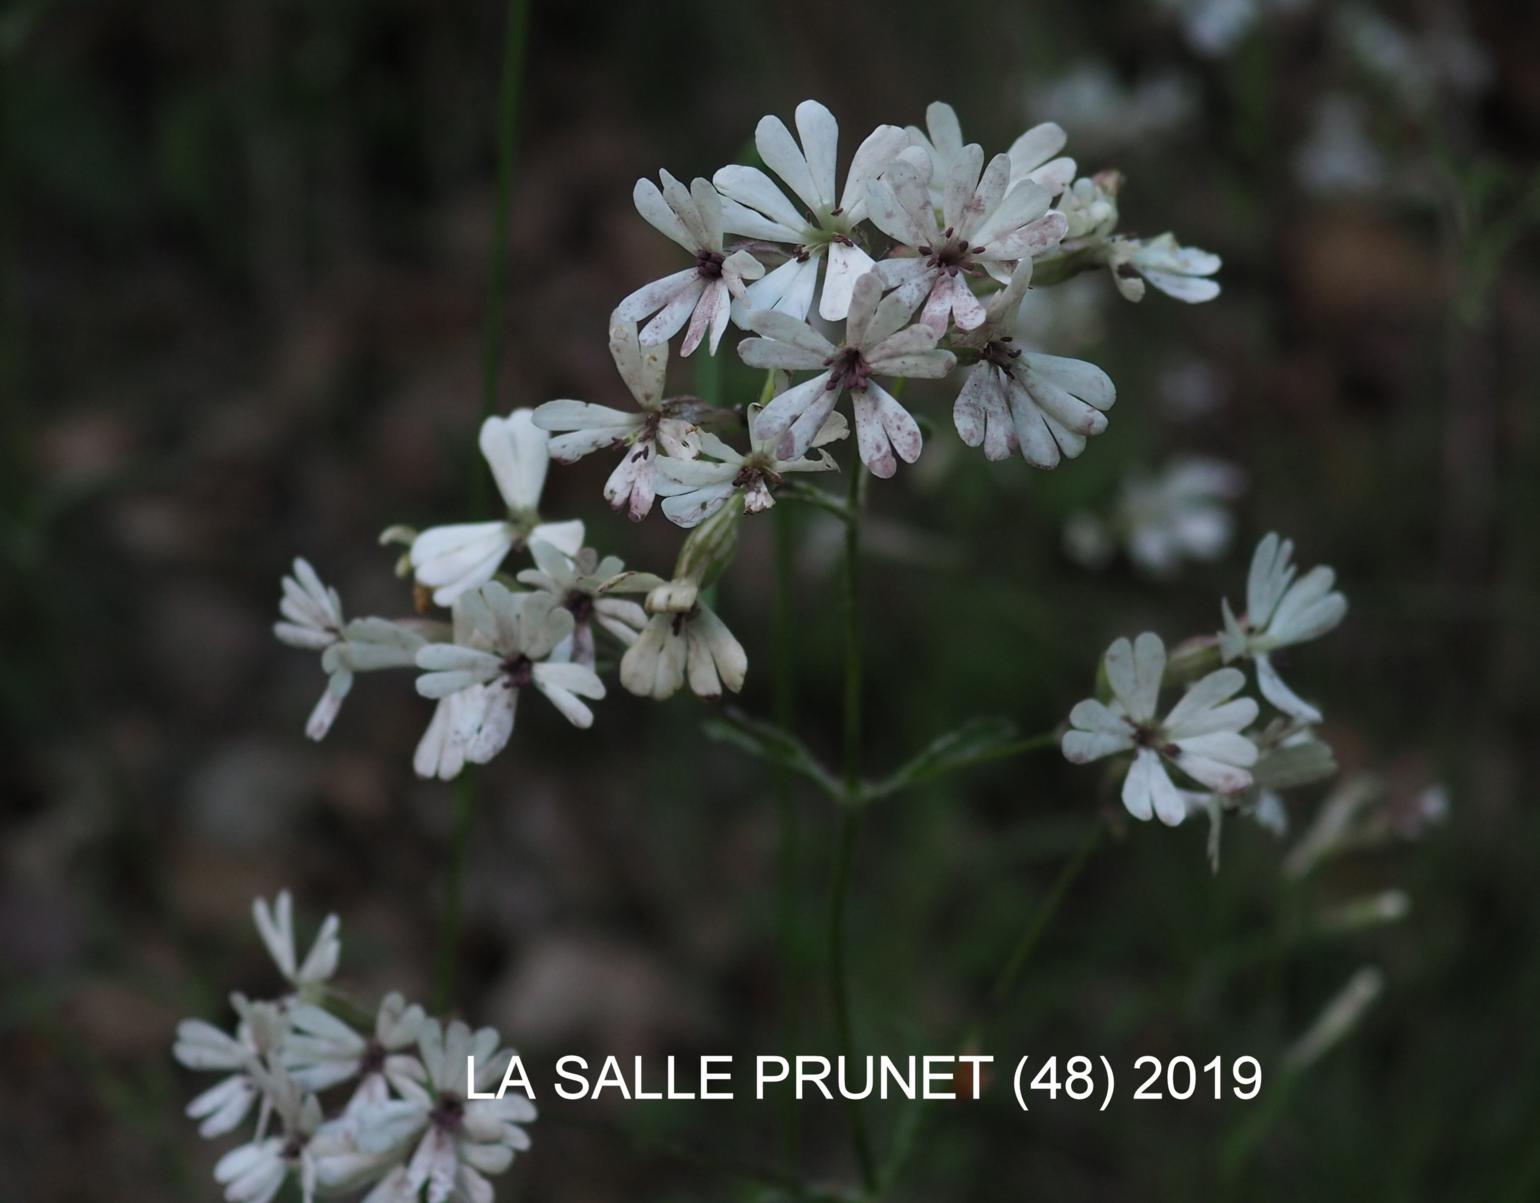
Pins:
x,y
917,264
403,1125
1211,736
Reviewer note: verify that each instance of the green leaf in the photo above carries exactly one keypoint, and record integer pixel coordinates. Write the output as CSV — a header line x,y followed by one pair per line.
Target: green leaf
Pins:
x,y
976,742
774,744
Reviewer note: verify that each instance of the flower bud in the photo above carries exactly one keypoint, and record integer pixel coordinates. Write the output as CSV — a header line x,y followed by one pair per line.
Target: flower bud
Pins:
x,y
711,545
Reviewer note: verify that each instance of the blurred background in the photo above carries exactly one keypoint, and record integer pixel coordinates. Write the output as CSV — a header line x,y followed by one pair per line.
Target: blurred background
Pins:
x,y
243,253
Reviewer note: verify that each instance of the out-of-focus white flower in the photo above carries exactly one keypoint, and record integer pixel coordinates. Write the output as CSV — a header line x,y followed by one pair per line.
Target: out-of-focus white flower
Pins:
x,y
1362,813
512,638
322,1051
583,584
455,1140
1162,520
1337,1019
1178,271
684,639
1416,66
312,620
1280,612
1031,155
1201,734
701,295
452,559
696,489
662,426
985,224
1427,807
1104,115
1190,388
275,924
1338,156
1015,400
878,342
201,1046
1215,27
757,208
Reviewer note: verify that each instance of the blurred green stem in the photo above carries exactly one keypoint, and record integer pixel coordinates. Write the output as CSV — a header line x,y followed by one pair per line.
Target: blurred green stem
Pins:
x,y
787,936
467,795
849,819
468,789
1010,969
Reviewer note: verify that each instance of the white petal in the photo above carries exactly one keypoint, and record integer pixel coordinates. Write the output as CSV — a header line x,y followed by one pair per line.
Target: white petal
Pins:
x,y
846,264
651,205
820,144
515,449
1280,695
783,156
752,187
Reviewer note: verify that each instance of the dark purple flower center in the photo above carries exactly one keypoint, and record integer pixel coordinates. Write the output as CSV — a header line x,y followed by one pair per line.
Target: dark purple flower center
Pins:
x,y
518,671
448,1113
373,1059
1000,352
709,264
848,370
952,255
1147,736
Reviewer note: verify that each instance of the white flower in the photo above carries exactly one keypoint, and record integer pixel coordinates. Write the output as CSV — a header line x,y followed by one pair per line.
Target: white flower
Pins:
x,y
1201,735
701,295
1031,155
1178,271
512,636
696,489
1288,755
1015,400
457,1139
452,559
275,925
986,223
684,639
200,1045
322,1051
441,750
312,620
663,425
320,1155
877,342
756,208
1176,514
582,584
1280,612
1090,206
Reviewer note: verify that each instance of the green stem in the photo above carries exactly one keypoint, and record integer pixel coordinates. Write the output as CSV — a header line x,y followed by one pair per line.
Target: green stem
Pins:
x,y
1016,960
912,1121
839,983
850,597
467,795
850,825
787,937
510,92
468,788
